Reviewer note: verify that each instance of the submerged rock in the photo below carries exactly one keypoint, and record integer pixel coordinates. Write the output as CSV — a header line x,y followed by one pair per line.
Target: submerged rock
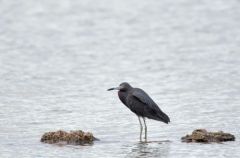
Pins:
x,y
73,137
202,135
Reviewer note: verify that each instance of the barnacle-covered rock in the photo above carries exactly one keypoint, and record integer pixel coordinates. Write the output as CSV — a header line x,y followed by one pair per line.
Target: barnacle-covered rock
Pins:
x,y
77,137
202,135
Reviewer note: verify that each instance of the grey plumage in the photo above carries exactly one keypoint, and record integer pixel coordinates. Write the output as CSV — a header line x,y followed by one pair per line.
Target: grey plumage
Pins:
x,y
140,103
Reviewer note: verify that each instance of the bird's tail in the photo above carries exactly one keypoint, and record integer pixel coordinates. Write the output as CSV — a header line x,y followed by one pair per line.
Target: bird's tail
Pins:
x,y
163,117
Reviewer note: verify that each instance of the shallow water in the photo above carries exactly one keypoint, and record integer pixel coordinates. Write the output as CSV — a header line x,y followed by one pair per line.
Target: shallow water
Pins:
x,y
57,58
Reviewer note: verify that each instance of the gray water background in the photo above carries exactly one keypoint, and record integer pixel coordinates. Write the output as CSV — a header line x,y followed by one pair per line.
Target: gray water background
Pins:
x,y
58,57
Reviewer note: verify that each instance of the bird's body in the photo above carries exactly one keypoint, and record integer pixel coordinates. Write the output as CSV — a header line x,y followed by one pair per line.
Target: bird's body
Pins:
x,y
140,103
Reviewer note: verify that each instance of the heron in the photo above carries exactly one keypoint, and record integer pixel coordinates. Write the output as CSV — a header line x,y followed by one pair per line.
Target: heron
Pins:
x,y
140,103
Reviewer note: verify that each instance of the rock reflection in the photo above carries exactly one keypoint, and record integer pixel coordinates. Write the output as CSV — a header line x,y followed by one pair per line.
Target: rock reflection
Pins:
x,y
150,149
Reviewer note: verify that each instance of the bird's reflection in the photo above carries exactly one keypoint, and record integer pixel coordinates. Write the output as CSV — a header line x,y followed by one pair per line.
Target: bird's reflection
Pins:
x,y
149,149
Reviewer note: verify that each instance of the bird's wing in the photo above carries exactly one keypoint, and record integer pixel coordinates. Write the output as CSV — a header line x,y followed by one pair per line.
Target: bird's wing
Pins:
x,y
151,107
143,97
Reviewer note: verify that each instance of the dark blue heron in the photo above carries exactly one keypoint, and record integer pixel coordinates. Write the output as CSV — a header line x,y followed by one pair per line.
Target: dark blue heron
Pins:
x,y
141,104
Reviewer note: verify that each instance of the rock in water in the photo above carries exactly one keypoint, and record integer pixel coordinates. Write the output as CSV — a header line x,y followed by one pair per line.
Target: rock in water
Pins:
x,y
203,136
73,137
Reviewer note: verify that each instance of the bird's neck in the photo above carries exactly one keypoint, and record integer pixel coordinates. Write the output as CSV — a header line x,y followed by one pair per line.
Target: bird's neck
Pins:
x,y
122,96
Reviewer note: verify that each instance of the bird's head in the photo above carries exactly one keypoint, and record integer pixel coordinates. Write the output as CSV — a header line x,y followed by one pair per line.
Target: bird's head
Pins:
x,y
122,87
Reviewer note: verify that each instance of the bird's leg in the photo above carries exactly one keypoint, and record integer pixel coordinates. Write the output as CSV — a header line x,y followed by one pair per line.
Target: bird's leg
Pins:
x,y
141,128
145,125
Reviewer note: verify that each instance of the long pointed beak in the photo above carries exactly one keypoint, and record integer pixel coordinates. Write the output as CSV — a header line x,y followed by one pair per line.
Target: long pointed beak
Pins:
x,y
115,88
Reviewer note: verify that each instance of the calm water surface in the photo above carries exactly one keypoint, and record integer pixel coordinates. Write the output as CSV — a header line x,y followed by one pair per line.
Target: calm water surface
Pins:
x,y
58,57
